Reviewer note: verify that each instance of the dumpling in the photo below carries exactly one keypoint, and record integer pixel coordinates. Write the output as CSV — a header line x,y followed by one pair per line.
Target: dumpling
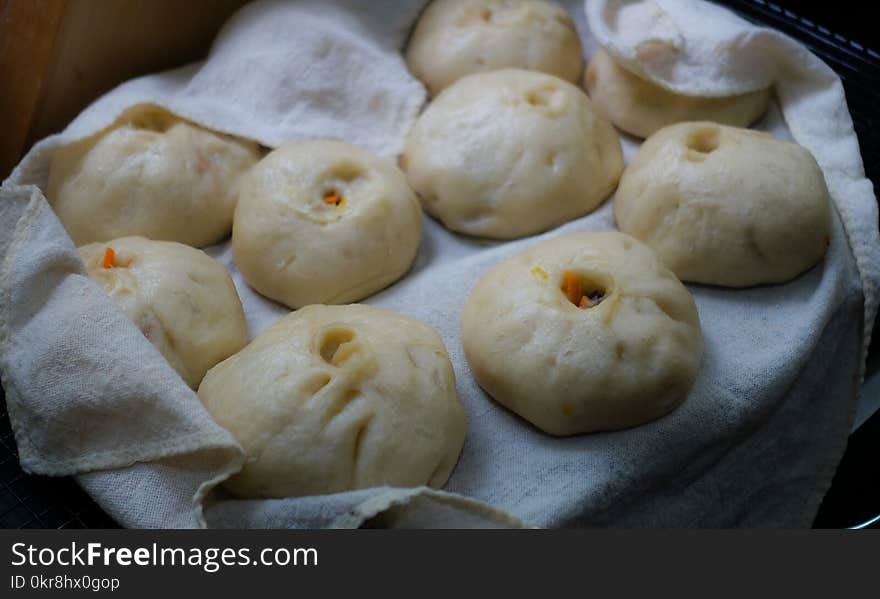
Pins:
x,y
585,332
324,222
726,206
336,398
151,174
511,153
180,298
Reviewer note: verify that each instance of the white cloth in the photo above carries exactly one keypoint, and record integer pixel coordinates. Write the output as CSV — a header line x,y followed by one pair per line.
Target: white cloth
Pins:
x,y
756,442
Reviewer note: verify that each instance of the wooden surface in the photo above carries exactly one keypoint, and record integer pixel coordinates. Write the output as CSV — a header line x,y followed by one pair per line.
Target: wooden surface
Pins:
x,y
27,33
57,56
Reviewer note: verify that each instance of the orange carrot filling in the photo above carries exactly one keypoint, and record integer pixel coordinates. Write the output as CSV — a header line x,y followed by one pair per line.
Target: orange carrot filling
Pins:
x,y
574,290
331,197
572,287
109,256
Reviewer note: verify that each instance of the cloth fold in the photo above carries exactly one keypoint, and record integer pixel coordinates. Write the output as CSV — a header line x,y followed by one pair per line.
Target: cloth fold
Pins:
x,y
755,444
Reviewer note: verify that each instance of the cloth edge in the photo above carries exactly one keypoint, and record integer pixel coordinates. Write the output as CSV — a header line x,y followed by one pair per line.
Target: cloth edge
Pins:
x,y
394,497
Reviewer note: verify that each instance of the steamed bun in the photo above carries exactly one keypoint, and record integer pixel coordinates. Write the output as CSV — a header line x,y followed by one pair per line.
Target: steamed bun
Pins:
x,y
150,174
336,398
324,222
511,153
182,300
454,38
641,107
726,206
584,332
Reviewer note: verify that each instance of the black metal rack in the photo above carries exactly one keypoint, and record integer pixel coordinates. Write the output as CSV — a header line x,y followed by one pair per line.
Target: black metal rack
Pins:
x,y
28,501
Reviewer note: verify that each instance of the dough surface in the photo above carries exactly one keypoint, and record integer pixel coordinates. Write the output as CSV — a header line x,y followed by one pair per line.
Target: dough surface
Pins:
x,y
324,222
181,299
335,398
640,107
726,206
454,38
511,153
628,356
150,174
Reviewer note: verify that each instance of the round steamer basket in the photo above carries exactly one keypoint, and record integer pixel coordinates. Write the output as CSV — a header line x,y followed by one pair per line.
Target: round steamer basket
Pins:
x,y
28,501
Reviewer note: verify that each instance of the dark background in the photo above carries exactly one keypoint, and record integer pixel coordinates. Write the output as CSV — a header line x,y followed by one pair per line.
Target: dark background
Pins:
x,y
854,20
